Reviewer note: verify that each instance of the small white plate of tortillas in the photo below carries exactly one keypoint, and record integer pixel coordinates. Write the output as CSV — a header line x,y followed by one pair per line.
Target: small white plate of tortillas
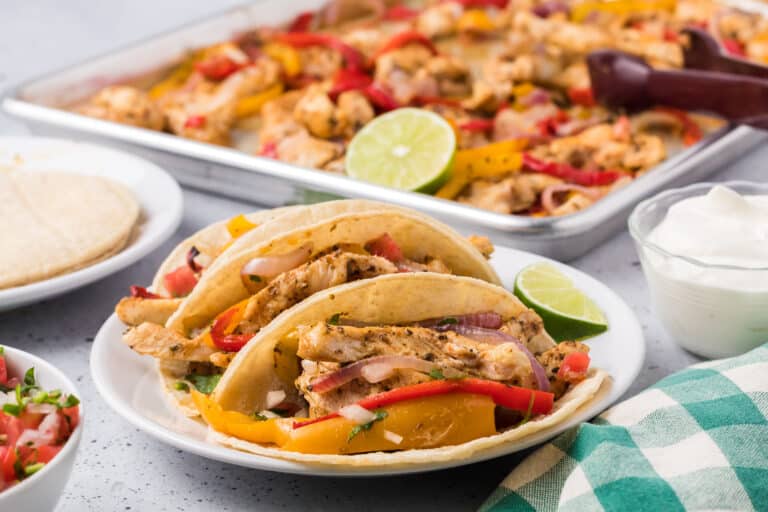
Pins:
x,y
72,213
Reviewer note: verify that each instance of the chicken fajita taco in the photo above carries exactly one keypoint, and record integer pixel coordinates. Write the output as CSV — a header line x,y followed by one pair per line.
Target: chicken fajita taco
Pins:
x,y
399,369
281,263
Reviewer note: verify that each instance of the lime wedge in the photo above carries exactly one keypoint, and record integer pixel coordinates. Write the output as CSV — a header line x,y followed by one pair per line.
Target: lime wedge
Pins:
x,y
568,314
408,149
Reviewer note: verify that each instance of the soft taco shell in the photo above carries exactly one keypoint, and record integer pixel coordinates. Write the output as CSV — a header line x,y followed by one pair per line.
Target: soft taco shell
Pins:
x,y
324,225
389,299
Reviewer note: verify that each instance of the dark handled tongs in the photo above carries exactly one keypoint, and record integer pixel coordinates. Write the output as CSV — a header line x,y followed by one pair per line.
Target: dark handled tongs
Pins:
x,y
712,80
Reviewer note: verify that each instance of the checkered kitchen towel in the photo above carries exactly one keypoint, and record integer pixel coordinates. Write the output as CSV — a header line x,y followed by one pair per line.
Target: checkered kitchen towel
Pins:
x,y
697,440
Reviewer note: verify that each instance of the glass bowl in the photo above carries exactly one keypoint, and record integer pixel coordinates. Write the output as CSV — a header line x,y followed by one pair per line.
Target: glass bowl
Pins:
x,y
710,310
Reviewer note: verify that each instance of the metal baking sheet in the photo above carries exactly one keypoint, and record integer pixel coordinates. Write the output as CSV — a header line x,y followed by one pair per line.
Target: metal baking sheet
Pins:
x,y
272,183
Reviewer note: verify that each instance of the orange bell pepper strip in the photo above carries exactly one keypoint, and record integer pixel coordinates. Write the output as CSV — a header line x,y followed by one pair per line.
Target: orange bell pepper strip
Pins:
x,y
475,21
287,56
489,161
425,423
580,11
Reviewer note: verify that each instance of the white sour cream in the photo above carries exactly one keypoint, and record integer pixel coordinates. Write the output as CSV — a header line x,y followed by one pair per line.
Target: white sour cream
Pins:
x,y
713,312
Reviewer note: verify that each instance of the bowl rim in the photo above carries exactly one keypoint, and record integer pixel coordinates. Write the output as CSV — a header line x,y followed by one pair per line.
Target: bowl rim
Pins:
x,y
641,240
43,366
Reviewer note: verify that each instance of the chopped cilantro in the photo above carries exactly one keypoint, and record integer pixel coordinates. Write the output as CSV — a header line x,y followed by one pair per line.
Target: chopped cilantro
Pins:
x,y
204,383
449,320
71,401
527,416
181,386
2,350
379,414
29,377
334,320
254,278
17,467
437,374
13,409
259,417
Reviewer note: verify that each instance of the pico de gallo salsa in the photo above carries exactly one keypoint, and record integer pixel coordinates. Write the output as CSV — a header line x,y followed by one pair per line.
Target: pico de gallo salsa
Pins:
x,y
35,424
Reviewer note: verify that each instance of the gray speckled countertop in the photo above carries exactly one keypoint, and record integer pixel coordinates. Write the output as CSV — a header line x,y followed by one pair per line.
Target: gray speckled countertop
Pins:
x,y
119,467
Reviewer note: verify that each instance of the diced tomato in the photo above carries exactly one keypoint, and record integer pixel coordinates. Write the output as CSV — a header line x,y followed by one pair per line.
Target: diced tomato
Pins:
x,y
734,47
3,371
301,22
400,13
195,122
71,416
11,427
180,282
46,453
582,96
574,367
386,247
141,292
217,67
403,39
30,419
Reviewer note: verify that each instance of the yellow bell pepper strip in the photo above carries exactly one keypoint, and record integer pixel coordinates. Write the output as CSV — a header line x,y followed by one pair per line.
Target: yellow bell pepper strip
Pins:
x,y
252,104
476,21
288,57
238,226
489,161
177,78
511,397
581,11
425,423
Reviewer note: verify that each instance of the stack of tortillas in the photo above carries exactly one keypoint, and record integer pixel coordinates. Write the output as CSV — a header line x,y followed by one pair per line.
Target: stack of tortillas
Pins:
x,y
53,223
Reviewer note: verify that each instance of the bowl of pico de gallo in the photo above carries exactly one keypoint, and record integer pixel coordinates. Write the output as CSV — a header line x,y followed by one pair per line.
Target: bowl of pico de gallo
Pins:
x,y
41,423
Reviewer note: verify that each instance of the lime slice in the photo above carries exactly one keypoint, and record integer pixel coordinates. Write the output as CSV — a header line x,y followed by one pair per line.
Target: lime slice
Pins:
x,y
408,149
568,314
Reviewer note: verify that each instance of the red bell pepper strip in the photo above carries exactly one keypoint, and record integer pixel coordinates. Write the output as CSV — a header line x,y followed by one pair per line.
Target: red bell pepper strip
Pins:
x,y
380,98
479,4
511,397
548,126
574,367
477,125
570,174
143,293
348,80
400,13
195,122
180,282
227,342
403,39
386,247
671,36
691,130
217,67
353,58
734,47
268,150
582,96
301,22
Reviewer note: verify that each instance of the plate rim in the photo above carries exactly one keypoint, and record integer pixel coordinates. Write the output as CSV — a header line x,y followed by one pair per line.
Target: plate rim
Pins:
x,y
19,296
229,455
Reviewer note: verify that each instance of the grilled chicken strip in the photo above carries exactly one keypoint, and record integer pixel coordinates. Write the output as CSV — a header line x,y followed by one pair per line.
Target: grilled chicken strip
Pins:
x,y
293,286
135,311
157,341
328,344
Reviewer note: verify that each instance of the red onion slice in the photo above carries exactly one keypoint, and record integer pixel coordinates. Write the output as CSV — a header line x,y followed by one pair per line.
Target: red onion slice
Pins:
x,y
191,263
259,270
44,434
497,338
485,319
375,368
548,194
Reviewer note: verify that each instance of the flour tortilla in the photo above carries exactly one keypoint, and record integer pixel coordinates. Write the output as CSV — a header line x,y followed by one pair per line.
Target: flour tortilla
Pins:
x,y
53,223
323,225
385,300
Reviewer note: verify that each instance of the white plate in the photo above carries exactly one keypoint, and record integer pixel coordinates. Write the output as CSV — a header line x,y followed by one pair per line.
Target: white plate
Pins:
x,y
158,194
129,383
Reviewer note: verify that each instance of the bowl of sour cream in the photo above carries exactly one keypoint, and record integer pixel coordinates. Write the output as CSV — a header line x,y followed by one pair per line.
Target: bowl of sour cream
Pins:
x,y
704,252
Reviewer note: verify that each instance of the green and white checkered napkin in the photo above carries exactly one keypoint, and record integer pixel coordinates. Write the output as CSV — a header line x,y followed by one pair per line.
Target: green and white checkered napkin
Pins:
x,y
697,440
